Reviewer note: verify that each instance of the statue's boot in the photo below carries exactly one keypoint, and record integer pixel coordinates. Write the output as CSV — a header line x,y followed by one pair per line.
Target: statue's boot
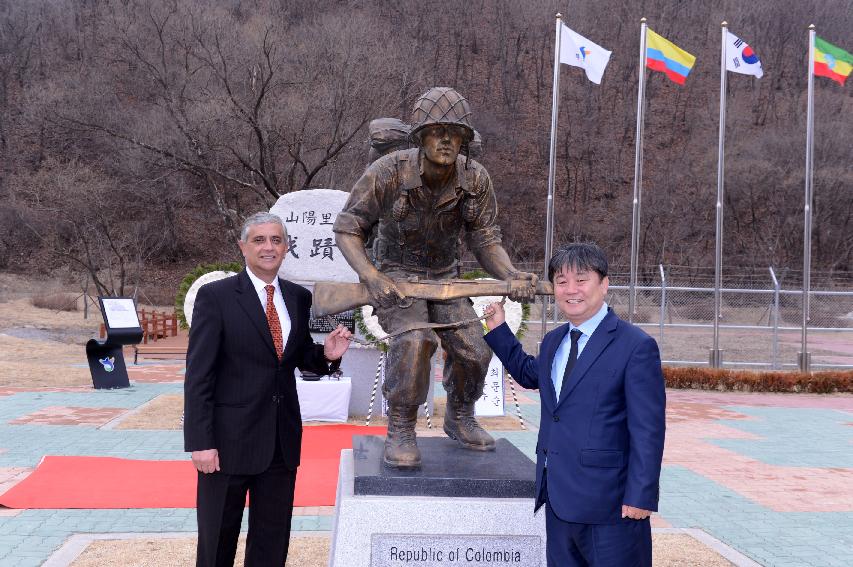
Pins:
x,y
401,447
459,424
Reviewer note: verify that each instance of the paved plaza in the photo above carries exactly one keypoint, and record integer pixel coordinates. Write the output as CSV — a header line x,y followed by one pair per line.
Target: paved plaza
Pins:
x,y
770,475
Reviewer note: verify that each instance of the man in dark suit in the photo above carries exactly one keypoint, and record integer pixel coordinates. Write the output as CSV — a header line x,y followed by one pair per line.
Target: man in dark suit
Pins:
x,y
242,421
601,436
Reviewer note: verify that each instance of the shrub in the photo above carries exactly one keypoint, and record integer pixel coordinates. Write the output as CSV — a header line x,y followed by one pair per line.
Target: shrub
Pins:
x,y
828,382
55,301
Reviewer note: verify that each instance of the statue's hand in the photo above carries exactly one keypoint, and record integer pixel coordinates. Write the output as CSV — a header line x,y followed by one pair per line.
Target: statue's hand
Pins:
x,y
383,290
522,286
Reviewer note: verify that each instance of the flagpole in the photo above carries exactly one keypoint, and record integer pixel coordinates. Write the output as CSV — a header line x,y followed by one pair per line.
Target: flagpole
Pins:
x,y
552,167
638,174
804,355
716,360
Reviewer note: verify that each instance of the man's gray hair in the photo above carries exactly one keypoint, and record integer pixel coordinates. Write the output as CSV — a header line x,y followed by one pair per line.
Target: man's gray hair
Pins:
x,y
261,218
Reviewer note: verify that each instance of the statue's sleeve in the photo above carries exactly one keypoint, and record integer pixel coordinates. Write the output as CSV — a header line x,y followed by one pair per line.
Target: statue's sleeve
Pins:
x,y
363,207
481,227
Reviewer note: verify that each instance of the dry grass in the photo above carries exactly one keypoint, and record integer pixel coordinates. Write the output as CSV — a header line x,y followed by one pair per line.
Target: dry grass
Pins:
x,y
670,550
681,550
33,363
163,412
55,301
21,312
305,551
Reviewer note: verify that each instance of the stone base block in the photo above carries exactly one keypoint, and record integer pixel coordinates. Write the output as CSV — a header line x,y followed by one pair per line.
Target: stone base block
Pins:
x,y
430,531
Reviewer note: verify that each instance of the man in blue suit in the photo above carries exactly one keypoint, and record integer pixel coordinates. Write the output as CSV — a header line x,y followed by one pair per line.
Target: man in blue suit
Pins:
x,y
601,436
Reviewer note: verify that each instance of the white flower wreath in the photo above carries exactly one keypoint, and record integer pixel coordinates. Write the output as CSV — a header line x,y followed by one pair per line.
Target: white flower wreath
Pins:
x,y
514,314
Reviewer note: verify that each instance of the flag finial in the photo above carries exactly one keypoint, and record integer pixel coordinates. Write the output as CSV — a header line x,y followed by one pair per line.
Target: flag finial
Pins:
x,y
559,15
643,20
811,27
724,24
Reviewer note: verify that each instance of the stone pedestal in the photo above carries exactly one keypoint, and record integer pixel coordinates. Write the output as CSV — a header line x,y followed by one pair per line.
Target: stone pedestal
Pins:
x,y
462,508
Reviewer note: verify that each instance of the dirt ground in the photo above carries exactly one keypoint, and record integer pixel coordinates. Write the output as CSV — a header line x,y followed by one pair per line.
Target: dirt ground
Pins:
x,y
35,342
34,363
670,550
42,347
305,551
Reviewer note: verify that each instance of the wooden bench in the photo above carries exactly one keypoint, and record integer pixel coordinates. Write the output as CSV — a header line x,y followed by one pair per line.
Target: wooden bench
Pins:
x,y
179,351
156,325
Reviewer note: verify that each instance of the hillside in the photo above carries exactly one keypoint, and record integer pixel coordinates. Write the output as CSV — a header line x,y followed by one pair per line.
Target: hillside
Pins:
x,y
135,134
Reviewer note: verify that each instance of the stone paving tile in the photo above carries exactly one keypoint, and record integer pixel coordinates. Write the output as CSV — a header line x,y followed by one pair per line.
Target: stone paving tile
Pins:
x,y
782,488
764,473
795,437
11,391
10,476
61,415
761,399
156,373
767,536
314,511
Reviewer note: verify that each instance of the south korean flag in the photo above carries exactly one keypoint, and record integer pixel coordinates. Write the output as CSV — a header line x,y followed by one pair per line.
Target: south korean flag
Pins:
x,y
740,57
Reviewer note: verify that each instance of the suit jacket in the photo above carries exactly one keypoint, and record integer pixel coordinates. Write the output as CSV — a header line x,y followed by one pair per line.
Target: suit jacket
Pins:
x,y
234,381
603,439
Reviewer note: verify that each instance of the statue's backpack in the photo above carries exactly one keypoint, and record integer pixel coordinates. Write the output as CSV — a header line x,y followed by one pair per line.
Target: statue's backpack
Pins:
x,y
388,135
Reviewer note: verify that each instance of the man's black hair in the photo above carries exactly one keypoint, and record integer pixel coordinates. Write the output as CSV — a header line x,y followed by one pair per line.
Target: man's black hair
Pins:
x,y
586,256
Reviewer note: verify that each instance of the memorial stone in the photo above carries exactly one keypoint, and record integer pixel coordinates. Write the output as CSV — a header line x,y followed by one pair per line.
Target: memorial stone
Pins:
x,y
312,254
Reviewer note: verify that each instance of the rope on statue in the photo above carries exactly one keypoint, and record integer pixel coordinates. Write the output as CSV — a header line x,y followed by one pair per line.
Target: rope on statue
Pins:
x,y
375,384
416,327
515,399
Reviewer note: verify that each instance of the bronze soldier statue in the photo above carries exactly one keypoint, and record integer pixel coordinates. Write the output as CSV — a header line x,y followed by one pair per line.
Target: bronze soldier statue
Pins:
x,y
423,202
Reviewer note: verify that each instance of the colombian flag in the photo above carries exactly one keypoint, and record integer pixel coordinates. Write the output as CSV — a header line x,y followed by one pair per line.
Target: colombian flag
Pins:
x,y
831,61
665,56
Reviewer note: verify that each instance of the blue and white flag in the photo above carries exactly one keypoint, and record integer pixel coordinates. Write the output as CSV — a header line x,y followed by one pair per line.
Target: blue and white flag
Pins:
x,y
740,58
578,51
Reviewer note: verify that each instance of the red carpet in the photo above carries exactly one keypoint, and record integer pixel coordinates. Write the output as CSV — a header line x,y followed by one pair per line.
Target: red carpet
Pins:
x,y
108,482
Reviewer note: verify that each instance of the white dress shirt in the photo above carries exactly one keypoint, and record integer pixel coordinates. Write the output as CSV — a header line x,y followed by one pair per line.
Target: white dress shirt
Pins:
x,y
278,301
561,357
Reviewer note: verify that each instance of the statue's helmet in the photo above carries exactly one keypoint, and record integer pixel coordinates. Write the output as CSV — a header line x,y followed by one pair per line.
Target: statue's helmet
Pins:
x,y
441,105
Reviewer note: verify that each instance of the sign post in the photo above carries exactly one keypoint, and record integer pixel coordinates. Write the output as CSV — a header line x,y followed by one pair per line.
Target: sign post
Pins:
x,y
106,359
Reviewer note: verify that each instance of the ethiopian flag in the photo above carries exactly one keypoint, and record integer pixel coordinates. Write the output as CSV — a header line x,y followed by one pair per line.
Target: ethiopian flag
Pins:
x,y
831,61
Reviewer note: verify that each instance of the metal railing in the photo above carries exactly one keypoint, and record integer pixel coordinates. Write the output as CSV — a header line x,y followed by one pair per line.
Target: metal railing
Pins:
x,y
758,327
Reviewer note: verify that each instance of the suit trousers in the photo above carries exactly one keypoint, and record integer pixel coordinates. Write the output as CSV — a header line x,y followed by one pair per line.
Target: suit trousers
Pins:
x,y
221,499
627,543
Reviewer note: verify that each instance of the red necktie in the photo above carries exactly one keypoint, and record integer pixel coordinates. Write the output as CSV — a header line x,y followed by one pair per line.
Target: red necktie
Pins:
x,y
274,323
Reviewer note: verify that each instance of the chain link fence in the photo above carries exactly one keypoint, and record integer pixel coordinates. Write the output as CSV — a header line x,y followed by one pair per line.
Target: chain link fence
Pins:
x,y
760,319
